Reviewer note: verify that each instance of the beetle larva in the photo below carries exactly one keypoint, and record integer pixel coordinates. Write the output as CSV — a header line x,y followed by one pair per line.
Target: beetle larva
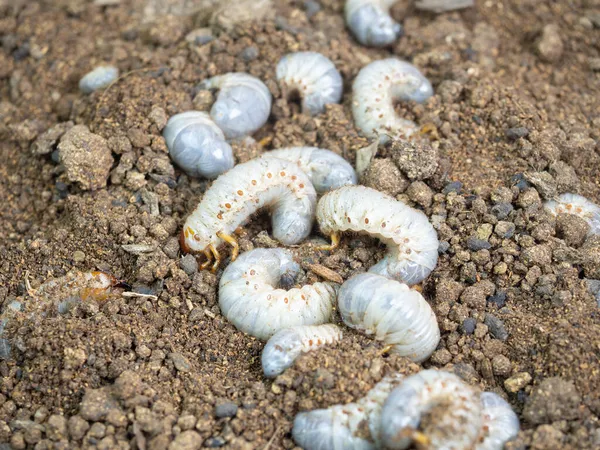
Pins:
x,y
377,87
98,78
274,183
286,345
198,145
314,77
342,426
326,169
250,298
243,103
371,23
500,423
390,312
578,205
411,240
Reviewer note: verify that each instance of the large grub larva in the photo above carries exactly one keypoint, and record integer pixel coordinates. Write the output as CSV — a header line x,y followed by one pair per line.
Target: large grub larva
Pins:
x,y
411,240
390,312
286,345
249,296
98,78
197,145
314,77
578,205
273,183
500,423
371,23
326,169
243,103
377,87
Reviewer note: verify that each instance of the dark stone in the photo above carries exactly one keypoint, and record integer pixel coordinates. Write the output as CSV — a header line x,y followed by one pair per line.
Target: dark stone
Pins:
x,y
502,210
499,299
496,327
519,181
227,409
250,53
215,442
468,325
443,247
454,186
516,133
476,244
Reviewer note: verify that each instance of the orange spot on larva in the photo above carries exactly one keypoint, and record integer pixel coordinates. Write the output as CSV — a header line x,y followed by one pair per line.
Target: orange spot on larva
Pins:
x,y
227,205
285,300
253,272
366,220
349,220
303,297
579,210
301,186
269,175
310,342
253,182
220,216
294,177
240,193
569,206
319,342
282,173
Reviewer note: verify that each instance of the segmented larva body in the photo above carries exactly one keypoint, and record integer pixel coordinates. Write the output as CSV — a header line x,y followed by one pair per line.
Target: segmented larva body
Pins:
x,y
249,296
243,103
343,426
390,312
411,240
98,78
197,145
371,23
286,345
377,87
500,423
315,78
578,205
326,169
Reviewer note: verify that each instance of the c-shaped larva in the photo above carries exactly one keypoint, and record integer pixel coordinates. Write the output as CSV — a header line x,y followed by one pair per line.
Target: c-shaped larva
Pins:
x,y
98,78
371,23
314,77
249,296
243,103
377,87
343,426
390,312
411,240
286,345
233,197
197,145
500,423
326,169
578,205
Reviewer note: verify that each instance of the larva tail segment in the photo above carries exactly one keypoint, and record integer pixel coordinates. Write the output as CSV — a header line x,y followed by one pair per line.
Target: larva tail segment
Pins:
x,y
231,241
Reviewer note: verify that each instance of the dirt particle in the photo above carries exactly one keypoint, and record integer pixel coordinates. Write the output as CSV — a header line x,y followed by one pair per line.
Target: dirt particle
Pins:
x,y
417,160
517,382
552,400
550,45
383,175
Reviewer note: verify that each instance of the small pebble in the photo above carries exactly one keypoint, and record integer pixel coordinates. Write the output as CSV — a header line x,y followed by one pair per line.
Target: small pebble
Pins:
x,y
517,382
499,299
180,362
496,327
78,256
249,53
516,133
215,442
468,325
505,230
189,264
476,244
550,46
227,409
519,181
502,210
454,186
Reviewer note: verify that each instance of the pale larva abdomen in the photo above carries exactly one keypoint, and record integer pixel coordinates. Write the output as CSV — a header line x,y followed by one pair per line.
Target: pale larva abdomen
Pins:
x,y
250,298
315,78
578,205
411,240
326,169
500,423
377,87
286,345
197,145
391,312
343,426
243,103
98,78
371,23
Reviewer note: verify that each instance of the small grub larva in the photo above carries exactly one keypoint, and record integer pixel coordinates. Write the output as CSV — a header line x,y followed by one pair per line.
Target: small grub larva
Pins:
x,y
314,77
243,103
326,169
249,296
98,78
371,23
377,87
578,205
273,183
500,423
286,345
411,240
197,145
390,312
343,426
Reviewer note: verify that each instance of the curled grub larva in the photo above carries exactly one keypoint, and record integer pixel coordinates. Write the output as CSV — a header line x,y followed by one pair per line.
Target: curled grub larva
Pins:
x,y
375,90
243,104
286,345
326,169
98,78
390,312
343,426
197,145
411,240
578,205
500,423
265,182
371,23
314,77
249,296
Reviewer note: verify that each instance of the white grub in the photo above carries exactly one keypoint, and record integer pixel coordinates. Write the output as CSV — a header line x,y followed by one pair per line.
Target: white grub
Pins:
x,y
578,205
314,77
500,423
411,240
286,345
342,426
326,169
250,298
377,87
391,312
440,6
457,420
243,103
98,78
197,145
371,23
